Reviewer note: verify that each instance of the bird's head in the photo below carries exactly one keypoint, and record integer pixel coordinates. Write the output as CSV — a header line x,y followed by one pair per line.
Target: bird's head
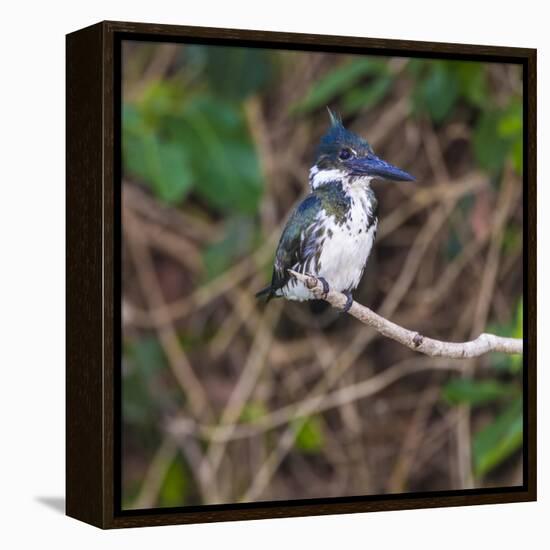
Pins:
x,y
344,156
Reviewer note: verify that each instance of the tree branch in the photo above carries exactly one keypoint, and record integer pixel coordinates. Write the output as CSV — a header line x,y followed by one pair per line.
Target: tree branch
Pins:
x,y
413,340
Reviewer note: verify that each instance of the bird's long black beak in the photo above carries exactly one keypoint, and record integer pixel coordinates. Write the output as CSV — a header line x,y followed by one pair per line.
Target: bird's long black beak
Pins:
x,y
375,167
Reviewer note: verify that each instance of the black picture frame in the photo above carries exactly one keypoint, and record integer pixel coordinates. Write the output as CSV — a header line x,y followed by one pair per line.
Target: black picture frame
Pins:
x,y
93,217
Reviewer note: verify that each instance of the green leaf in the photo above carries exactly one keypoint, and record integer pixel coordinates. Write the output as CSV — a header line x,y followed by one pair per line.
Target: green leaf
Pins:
x,y
252,412
511,121
162,165
159,100
175,486
512,240
147,355
517,155
168,169
223,159
490,149
137,407
309,434
238,239
438,92
510,128
237,72
367,96
143,359
498,136
454,245
417,67
337,81
476,392
512,328
472,81
500,439
441,84
176,142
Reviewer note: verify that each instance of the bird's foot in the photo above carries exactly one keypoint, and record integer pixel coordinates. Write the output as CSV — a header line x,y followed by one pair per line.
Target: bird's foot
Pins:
x,y
326,288
349,301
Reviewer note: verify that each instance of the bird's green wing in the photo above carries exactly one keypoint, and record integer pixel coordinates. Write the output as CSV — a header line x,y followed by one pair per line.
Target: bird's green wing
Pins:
x,y
296,245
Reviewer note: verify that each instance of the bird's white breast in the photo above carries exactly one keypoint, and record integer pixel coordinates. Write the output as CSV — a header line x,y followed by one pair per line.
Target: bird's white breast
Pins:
x,y
343,257
345,247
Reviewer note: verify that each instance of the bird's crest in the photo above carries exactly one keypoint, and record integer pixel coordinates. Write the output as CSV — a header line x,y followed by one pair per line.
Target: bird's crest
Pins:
x,y
335,118
337,136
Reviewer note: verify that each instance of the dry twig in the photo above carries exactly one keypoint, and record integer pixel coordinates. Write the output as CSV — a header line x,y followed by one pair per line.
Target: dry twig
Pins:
x,y
411,339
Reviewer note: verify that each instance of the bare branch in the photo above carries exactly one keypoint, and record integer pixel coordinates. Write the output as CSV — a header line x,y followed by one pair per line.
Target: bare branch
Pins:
x,y
411,339
312,404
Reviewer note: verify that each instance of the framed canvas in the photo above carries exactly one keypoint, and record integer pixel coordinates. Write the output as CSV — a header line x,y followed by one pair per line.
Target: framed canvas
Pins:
x,y
300,274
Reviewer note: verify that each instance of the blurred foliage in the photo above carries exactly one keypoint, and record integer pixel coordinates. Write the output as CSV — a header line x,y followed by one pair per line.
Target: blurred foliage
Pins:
x,y
473,392
175,486
181,136
514,329
498,136
254,411
503,436
348,80
499,439
310,436
443,86
145,360
195,143
239,238
188,140
189,133
235,73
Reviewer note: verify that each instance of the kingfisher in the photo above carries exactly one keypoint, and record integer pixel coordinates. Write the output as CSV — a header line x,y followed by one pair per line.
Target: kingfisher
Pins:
x,y
330,233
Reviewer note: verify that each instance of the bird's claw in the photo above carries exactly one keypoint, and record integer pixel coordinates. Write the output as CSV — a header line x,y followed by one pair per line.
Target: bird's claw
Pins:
x,y
349,301
326,288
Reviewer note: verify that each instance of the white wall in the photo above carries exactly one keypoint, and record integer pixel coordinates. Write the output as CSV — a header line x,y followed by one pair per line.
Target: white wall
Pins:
x,y
32,270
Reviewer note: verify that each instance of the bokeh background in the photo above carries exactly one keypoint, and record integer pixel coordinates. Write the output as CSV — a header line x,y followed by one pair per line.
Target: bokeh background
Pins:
x,y
227,400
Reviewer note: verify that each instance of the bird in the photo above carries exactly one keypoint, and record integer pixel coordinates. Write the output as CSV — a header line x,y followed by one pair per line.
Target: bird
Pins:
x,y
330,233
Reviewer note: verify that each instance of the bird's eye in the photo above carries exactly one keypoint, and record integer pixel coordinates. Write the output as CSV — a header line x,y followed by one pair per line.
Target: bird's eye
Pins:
x,y
345,154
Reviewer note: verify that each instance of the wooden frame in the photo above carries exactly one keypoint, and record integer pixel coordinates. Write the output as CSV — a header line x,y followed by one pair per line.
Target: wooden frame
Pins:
x,y
93,283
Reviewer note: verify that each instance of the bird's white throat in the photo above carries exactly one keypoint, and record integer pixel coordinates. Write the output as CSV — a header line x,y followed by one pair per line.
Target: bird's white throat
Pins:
x,y
321,177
